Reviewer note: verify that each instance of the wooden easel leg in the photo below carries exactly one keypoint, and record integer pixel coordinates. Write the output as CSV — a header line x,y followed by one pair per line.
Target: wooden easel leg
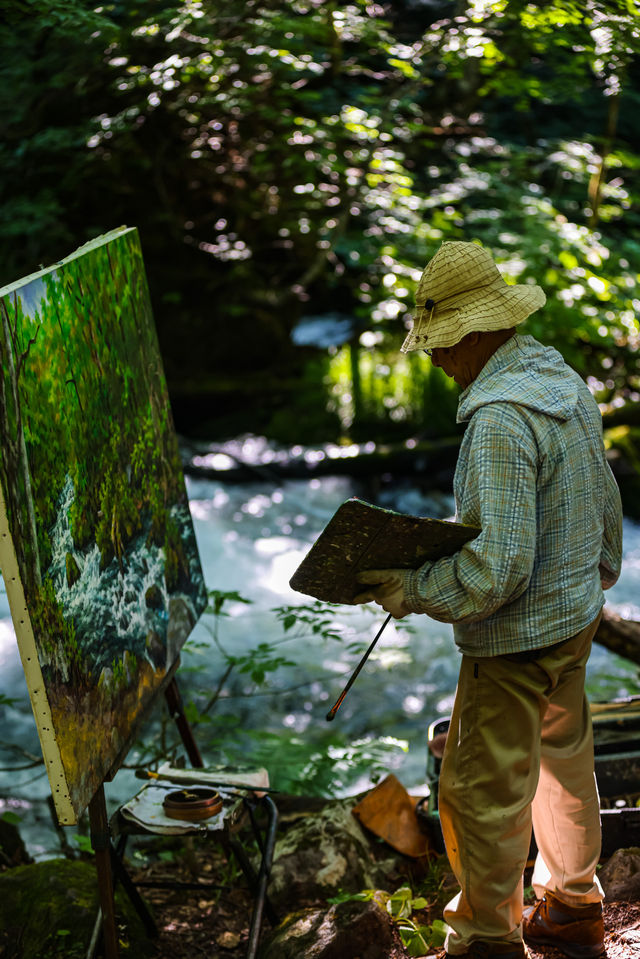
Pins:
x,y
99,825
176,711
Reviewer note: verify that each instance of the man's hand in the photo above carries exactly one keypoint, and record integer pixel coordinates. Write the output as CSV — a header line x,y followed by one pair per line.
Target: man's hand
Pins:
x,y
607,576
386,589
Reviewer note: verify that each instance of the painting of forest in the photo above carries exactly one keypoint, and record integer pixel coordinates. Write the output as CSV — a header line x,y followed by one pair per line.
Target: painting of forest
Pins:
x,y
95,502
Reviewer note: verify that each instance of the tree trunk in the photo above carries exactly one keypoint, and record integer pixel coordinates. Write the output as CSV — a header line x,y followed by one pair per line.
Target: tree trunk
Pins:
x,y
598,178
621,636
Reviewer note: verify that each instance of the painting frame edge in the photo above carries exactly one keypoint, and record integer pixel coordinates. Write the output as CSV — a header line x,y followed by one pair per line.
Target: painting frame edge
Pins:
x,y
97,241
33,674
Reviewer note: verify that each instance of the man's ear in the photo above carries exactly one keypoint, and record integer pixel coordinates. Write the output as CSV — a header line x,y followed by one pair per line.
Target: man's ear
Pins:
x,y
473,338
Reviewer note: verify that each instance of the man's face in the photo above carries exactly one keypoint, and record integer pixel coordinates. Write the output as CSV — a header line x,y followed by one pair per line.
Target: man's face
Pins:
x,y
459,361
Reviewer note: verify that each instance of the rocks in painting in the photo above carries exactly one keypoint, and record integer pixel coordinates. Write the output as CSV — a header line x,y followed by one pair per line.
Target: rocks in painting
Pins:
x,y
121,673
620,876
349,930
73,570
156,651
161,651
181,621
153,597
129,666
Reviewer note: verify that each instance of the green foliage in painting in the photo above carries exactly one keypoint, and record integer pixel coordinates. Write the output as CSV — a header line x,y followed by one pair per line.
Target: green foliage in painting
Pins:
x,y
83,392
59,651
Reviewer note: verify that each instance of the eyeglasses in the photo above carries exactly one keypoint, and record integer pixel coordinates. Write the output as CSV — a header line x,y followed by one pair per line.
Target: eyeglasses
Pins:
x,y
444,350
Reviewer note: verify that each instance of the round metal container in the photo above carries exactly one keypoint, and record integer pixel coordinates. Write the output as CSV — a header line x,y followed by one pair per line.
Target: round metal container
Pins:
x,y
192,804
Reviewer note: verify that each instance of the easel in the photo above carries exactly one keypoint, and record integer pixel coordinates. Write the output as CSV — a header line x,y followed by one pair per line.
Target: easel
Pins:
x,y
110,868
119,321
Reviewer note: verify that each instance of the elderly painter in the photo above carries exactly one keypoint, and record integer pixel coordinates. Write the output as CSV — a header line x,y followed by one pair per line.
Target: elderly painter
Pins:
x,y
525,599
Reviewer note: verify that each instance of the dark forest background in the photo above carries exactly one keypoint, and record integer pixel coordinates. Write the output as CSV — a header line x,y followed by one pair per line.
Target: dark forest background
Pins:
x,y
302,160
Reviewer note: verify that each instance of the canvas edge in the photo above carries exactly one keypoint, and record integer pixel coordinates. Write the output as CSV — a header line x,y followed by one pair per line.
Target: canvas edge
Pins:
x,y
33,673
89,245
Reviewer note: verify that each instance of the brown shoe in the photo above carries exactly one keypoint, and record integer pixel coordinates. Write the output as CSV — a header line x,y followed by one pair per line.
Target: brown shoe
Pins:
x,y
490,949
577,931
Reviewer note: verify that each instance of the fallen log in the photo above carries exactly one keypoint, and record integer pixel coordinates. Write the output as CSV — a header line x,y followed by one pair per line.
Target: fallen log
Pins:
x,y
621,636
433,460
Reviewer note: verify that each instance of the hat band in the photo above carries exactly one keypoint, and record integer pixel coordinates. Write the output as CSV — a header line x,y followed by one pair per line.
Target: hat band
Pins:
x,y
432,304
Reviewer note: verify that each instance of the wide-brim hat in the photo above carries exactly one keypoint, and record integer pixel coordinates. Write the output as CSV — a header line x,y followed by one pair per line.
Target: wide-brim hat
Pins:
x,y
460,291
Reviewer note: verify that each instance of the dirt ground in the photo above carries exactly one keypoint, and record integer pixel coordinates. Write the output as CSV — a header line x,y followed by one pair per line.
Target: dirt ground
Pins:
x,y
213,921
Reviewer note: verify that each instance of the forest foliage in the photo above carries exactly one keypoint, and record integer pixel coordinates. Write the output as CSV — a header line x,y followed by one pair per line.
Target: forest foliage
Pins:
x,y
287,159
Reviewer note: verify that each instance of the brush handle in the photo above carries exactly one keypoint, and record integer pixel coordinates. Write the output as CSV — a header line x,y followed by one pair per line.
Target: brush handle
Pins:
x,y
334,709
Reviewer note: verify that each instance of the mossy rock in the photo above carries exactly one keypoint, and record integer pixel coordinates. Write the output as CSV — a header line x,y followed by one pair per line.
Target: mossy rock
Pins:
x,y
348,930
48,911
153,597
73,570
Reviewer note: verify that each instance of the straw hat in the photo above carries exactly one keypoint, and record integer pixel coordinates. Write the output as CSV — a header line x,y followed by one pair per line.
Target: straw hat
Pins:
x,y
461,290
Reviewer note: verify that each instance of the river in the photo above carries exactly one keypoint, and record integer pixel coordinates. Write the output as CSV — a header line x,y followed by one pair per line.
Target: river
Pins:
x,y
251,538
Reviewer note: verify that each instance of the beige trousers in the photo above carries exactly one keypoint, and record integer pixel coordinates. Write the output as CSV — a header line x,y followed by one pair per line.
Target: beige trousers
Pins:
x,y
519,751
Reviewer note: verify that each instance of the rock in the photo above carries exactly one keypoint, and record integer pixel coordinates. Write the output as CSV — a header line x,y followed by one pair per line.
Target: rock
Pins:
x,y
349,930
130,666
620,876
228,940
181,622
12,849
105,683
153,597
49,909
322,853
73,570
156,651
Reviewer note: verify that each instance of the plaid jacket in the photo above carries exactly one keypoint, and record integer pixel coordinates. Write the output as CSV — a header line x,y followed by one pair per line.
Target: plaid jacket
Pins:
x,y
532,475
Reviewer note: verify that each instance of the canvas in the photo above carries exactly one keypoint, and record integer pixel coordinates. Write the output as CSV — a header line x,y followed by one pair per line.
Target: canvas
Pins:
x,y
97,547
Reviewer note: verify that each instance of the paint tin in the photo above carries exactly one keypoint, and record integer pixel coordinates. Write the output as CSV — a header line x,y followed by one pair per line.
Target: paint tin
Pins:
x,y
192,804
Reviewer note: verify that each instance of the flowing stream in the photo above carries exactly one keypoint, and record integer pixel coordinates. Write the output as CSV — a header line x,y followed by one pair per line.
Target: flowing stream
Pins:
x,y
109,606
251,537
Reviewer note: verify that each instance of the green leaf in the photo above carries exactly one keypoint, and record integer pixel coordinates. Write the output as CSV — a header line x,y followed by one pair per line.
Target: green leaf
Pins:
x,y
399,904
438,932
11,817
415,944
83,843
7,700
364,896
